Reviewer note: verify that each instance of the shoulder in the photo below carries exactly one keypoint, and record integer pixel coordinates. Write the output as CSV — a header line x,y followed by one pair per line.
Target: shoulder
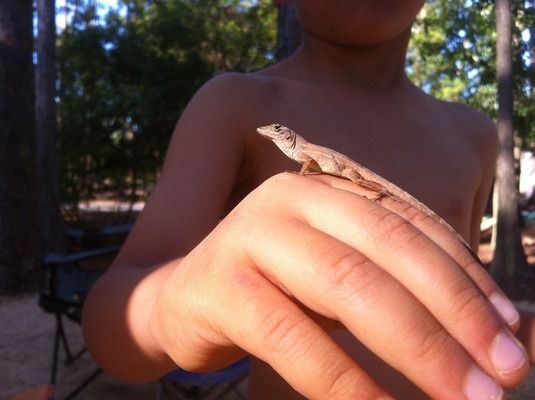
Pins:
x,y
472,121
221,120
477,139
469,136
235,104
225,105
471,126
231,89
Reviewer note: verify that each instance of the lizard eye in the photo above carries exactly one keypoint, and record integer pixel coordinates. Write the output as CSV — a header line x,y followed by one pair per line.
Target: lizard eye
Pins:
x,y
277,127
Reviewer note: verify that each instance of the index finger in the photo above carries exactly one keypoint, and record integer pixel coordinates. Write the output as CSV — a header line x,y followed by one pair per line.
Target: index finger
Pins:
x,y
444,321
441,235
432,275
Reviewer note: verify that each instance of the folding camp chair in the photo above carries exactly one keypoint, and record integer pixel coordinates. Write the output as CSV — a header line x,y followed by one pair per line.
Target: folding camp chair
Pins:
x,y
181,385
68,280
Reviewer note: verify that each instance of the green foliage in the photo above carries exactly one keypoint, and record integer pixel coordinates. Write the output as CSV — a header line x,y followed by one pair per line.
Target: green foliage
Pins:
x,y
124,81
453,48
124,78
453,56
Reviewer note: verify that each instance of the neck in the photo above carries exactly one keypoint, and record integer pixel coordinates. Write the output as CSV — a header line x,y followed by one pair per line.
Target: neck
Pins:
x,y
380,65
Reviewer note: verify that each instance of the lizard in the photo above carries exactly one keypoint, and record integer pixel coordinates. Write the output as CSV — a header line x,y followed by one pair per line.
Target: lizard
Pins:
x,y
315,158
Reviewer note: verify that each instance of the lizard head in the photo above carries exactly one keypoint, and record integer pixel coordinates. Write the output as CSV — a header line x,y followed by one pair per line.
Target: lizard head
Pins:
x,y
283,137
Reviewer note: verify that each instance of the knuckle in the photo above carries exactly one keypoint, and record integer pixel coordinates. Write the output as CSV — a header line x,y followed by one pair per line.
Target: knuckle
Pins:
x,y
470,264
468,302
281,328
397,231
275,194
281,181
236,223
345,270
434,346
231,235
416,217
340,383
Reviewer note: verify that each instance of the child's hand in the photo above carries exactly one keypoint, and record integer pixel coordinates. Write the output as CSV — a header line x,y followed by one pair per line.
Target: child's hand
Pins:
x,y
411,293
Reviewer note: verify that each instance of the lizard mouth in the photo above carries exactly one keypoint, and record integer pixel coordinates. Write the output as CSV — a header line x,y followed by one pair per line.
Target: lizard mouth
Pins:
x,y
266,131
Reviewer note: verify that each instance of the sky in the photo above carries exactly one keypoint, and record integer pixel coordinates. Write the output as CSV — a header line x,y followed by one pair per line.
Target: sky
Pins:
x,y
60,16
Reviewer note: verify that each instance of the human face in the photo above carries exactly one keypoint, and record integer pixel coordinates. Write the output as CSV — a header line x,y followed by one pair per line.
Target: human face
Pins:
x,y
357,22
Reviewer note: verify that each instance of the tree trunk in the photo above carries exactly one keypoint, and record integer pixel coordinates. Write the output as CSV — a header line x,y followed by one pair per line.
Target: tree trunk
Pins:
x,y
288,30
509,256
45,116
532,48
19,219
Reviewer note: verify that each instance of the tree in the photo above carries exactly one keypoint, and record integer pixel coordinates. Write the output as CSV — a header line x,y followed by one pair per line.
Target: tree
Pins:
x,y
452,55
124,80
508,254
19,220
452,52
45,116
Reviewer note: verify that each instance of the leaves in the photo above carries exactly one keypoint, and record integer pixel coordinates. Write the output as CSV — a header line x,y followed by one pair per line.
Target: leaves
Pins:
x,y
124,81
453,56
125,77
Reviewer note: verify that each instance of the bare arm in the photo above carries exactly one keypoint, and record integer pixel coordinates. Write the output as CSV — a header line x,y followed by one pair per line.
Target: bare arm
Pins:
x,y
487,147
186,204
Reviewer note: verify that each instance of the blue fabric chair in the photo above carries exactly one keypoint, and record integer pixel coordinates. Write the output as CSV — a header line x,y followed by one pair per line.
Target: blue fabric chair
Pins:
x,y
180,384
67,281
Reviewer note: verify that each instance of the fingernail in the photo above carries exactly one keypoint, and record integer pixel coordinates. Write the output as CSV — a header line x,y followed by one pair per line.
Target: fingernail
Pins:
x,y
479,386
505,308
506,354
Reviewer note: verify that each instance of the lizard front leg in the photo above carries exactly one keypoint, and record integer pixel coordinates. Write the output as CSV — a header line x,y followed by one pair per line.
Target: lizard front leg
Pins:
x,y
310,166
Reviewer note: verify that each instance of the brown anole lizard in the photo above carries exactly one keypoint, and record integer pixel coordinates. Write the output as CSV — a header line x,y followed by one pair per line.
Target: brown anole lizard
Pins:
x,y
320,159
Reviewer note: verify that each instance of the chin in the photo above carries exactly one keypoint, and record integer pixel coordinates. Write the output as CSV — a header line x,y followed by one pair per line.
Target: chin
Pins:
x,y
360,37
357,22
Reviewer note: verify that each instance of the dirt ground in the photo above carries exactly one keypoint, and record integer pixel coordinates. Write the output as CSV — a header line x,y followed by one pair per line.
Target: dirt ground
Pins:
x,y
26,339
27,336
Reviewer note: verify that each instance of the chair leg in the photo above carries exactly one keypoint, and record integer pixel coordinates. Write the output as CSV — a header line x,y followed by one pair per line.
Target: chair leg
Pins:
x,y
70,356
159,391
170,390
59,336
61,339
166,391
232,387
63,336
83,385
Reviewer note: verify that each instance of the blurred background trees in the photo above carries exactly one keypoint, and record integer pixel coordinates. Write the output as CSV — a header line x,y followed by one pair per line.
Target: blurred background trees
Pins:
x,y
126,75
46,127
19,218
122,71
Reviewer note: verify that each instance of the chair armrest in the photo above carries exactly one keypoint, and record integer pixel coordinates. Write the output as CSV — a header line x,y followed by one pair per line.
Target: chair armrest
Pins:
x,y
54,259
79,234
